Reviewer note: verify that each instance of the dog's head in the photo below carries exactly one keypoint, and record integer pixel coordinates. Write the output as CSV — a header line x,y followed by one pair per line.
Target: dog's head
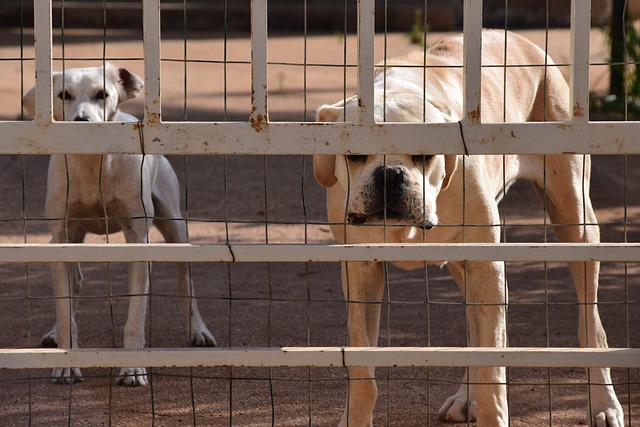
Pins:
x,y
89,94
392,188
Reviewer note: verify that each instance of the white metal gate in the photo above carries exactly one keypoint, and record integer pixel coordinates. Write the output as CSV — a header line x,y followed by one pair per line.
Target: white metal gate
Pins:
x,y
259,135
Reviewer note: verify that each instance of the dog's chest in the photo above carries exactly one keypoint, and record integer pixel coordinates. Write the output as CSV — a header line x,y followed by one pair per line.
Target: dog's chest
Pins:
x,y
90,190
95,186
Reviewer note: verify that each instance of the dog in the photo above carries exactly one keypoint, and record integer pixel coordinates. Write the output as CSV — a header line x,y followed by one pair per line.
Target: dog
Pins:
x,y
103,194
413,199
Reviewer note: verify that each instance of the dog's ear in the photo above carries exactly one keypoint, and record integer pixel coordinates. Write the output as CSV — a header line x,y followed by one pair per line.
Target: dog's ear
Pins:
x,y
443,108
29,98
329,113
450,166
324,165
130,84
324,168
29,102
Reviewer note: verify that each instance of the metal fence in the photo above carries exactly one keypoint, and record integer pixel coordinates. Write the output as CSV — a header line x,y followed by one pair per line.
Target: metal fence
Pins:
x,y
261,136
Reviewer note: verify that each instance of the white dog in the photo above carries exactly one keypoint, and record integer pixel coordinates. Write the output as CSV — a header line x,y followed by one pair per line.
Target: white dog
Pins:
x,y
405,199
104,194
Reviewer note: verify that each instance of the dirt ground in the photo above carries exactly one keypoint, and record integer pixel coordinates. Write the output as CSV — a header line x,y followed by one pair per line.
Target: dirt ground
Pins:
x,y
275,199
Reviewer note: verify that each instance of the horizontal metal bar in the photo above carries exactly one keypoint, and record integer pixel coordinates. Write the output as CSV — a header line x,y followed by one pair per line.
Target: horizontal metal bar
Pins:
x,y
129,5
174,252
320,138
322,356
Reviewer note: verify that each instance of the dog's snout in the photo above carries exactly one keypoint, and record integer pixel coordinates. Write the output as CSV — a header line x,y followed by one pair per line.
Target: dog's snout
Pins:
x,y
82,119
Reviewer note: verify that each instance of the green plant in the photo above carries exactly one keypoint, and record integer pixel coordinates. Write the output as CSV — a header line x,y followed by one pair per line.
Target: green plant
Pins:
x,y
418,33
624,91
632,43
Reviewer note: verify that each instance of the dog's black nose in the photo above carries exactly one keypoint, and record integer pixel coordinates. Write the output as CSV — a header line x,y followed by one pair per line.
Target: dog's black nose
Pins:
x,y
81,119
392,179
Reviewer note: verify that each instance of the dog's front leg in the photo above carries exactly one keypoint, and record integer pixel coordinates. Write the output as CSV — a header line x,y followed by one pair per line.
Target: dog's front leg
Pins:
x,y
136,232
50,340
484,397
134,328
66,331
363,285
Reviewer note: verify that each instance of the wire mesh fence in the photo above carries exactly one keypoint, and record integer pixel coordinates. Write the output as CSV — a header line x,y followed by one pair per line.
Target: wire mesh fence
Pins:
x,y
237,86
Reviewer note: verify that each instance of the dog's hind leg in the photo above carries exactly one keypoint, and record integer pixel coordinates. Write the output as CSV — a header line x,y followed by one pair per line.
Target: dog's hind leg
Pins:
x,y
566,196
174,232
166,200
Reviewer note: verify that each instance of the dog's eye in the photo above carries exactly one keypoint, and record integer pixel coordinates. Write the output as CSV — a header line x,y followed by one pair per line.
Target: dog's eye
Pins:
x,y
102,95
421,159
65,95
357,158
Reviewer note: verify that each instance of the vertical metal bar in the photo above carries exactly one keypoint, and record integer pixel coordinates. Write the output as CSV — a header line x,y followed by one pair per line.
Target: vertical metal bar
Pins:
x,y
42,25
580,33
366,35
259,115
472,60
151,18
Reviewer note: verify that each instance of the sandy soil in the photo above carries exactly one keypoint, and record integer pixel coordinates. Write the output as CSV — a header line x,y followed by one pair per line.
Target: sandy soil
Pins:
x,y
276,199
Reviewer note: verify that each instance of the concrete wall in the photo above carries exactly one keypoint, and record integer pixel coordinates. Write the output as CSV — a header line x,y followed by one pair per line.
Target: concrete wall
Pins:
x,y
322,15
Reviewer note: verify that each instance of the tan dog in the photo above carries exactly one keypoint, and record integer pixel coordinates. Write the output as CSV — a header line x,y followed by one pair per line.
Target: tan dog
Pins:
x,y
104,194
404,199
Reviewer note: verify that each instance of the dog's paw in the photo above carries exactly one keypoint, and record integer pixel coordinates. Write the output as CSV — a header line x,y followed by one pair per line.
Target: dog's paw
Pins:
x,y
203,338
49,339
343,423
348,421
66,376
458,408
133,377
609,418
606,411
